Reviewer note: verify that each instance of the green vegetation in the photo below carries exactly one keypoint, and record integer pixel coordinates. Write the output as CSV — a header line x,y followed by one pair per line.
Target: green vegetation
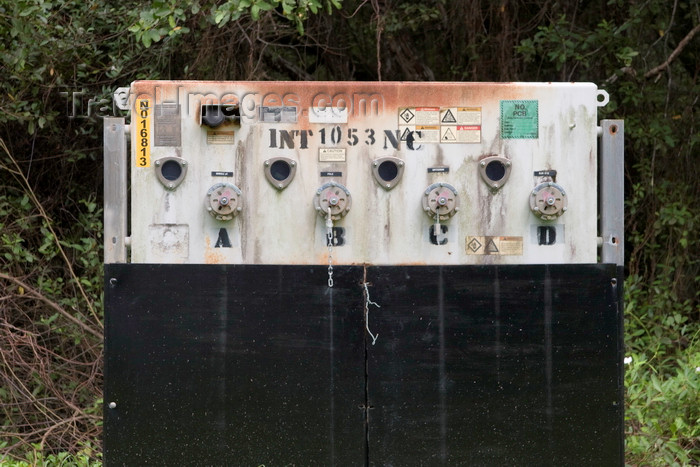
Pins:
x,y
60,62
35,458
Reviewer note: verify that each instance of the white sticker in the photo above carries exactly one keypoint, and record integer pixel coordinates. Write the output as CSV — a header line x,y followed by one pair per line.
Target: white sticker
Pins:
x,y
328,115
460,116
419,116
331,154
460,133
420,134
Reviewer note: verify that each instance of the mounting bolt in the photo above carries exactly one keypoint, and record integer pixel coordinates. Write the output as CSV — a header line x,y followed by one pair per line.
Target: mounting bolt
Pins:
x,y
112,405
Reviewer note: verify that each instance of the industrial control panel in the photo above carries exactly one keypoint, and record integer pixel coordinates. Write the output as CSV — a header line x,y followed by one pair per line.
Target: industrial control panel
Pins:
x,y
354,273
363,173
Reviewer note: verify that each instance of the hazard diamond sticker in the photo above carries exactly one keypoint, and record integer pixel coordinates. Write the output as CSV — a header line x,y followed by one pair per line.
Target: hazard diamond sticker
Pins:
x,y
484,245
474,245
407,115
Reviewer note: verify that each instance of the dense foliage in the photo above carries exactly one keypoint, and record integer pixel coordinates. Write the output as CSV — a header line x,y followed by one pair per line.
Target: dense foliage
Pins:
x,y
60,62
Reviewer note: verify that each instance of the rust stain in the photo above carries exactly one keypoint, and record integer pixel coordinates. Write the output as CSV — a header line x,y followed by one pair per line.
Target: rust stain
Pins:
x,y
364,100
211,256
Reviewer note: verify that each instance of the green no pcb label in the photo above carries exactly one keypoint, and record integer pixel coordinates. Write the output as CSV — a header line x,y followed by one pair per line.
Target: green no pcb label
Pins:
x,y
519,120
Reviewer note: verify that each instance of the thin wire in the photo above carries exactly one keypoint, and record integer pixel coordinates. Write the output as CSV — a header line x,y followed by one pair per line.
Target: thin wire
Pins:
x,y
369,302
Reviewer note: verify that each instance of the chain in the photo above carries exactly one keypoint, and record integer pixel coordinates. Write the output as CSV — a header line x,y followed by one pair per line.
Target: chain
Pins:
x,y
436,228
329,238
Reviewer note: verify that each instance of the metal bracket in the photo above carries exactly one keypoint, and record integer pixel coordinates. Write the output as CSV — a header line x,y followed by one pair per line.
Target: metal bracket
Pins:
x,y
612,191
121,98
115,196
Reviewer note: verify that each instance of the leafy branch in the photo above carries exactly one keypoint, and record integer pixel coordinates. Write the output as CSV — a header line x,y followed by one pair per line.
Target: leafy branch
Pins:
x,y
17,171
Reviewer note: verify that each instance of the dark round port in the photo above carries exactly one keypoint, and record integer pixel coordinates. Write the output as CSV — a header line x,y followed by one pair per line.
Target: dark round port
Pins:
x,y
388,170
495,170
212,116
171,170
280,170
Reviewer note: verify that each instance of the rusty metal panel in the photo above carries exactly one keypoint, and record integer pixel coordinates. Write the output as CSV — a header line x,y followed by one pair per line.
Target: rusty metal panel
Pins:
x,y
414,173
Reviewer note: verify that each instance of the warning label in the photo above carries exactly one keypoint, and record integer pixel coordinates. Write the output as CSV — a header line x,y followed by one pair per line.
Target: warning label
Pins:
x,y
484,245
440,125
331,154
460,116
460,134
420,134
220,137
419,116
448,117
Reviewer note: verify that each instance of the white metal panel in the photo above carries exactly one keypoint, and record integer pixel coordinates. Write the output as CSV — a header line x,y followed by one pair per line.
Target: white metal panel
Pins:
x,y
383,226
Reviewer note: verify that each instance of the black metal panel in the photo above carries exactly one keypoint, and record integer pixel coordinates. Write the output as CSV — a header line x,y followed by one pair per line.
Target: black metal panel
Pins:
x,y
474,365
233,365
516,365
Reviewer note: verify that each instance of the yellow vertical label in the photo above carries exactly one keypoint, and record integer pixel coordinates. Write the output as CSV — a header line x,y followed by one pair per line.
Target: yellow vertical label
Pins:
x,y
143,133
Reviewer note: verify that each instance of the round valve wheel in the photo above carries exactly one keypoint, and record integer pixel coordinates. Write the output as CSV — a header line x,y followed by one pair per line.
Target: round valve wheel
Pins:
x,y
334,196
223,201
548,201
440,198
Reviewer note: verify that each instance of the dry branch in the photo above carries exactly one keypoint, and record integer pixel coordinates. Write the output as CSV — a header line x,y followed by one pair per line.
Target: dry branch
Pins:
x,y
681,45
